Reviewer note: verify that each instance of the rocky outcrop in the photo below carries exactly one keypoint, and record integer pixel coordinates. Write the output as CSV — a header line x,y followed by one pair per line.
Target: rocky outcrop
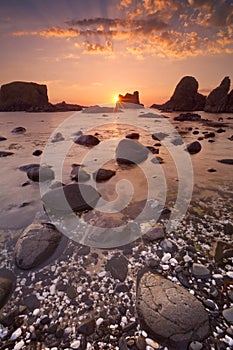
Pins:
x,y
130,152
130,98
185,97
217,100
229,108
30,97
21,96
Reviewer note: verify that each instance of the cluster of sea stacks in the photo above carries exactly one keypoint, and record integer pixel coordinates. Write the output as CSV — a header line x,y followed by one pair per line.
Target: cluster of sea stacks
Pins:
x,y
187,98
32,97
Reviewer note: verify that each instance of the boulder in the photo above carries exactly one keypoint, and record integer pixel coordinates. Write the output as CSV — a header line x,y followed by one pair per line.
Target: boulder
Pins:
x,y
87,140
5,290
129,98
40,174
169,312
36,244
21,96
102,175
194,147
185,97
73,197
131,152
217,100
192,117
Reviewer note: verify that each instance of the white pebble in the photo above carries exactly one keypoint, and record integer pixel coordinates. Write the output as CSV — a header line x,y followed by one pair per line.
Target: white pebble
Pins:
x,y
52,289
229,274
187,258
99,321
75,344
68,330
19,345
144,334
217,275
152,343
16,334
173,261
36,312
165,267
166,257
102,274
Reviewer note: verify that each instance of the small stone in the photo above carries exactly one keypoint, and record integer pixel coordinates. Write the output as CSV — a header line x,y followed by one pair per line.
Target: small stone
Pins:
x,y
212,170
19,345
200,271
71,292
40,174
152,343
154,234
18,130
194,147
133,136
228,315
75,344
87,327
99,321
141,343
16,334
37,152
195,345
122,344
118,267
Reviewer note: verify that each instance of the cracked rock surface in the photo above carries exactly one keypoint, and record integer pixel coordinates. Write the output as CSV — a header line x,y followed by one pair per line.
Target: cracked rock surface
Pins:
x,y
169,312
36,244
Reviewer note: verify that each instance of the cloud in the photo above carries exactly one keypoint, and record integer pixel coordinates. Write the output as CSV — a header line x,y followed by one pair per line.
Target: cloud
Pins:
x,y
166,28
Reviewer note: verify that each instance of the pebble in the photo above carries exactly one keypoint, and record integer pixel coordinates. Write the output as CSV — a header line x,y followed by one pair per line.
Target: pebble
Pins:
x,y
16,334
99,321
195,345
228,315
36,312
152,343
229,274
187,258
19,345
75,344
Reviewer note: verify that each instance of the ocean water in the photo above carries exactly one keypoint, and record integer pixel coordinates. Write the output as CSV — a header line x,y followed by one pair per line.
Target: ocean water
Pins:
x,y
177,182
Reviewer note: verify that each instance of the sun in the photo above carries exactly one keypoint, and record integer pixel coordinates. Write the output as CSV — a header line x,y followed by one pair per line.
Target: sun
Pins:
x,y
116,98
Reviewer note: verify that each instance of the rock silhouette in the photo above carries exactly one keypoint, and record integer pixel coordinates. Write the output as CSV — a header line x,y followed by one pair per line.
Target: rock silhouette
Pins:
x,y
130,98
217,100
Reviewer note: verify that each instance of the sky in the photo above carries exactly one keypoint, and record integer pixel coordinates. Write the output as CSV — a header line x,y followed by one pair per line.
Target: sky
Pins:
x,y
89,51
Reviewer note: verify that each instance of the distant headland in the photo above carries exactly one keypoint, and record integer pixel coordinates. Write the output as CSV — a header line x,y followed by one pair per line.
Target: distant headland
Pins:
x,y
33,97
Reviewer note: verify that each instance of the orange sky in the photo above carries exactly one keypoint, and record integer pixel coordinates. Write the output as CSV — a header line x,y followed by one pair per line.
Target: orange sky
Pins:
x,y
89,51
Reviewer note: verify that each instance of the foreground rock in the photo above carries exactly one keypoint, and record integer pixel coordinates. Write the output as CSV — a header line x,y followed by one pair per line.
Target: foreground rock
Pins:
x,y
118,267
169,312
40,174
192,117
87,140
21,96
194,147
5,290
36,245
131,152
73,197
185,97
217,100
102,175
18,130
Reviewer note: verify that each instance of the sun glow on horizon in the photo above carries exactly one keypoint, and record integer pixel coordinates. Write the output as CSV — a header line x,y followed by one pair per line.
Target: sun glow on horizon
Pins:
x,y
116,98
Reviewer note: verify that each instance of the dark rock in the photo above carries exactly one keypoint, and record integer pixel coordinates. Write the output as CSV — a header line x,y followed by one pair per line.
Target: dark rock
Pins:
x,y
211,141
21,96
159,136
228,315
192,117
153,150
216,101
229,107
66,107
130,152
118,267
45,320
79,173
200,271
129,98
185,97
230,138
183,280
220,131
18,130
141,343
5,290
228,229
57,137
87,327
31,302
40,174
157,160
209,304
73,197
222,250
168,246
212,170
194,147
121,288
37,152
5,154
226,161
36,244
209,135
87,140
83,250
28,166
123,344
133,136
2,138
177,142
129,327
71,292
169,313
102,175
154,234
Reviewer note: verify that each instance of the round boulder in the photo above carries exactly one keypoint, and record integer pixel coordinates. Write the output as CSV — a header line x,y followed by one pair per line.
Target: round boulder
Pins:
x,y
73,197
36,244
194,147
169,312
40,174
87,140
130,152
